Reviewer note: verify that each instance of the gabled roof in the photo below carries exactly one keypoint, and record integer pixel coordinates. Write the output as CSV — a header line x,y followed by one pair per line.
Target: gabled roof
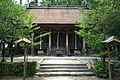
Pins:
x,y
56,15
23,40
111,39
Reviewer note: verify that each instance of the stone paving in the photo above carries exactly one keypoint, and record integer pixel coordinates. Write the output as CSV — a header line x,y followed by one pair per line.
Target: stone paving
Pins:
x,y
55,78
54,57
37,58
62,61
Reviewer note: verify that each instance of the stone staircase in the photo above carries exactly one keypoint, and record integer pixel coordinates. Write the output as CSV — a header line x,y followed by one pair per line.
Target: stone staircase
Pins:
x,y
63,70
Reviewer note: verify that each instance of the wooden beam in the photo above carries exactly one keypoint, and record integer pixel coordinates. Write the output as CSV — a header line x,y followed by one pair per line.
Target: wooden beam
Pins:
x,y
53,29
109,66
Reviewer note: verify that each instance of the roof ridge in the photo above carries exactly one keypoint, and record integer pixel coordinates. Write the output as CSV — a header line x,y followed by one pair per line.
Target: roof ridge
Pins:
x,y
56,7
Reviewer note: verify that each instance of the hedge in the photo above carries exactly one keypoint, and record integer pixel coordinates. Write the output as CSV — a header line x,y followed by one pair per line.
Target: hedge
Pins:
x,y
16,68
100,70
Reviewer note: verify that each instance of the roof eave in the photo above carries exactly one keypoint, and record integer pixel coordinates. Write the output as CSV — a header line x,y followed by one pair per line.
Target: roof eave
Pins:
x,y
57,23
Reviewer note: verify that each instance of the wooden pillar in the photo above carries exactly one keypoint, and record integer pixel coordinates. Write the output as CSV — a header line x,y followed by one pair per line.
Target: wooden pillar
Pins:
x,y
67,52
24,73
75,41
58,40
83,50
49,51
109,66
32,47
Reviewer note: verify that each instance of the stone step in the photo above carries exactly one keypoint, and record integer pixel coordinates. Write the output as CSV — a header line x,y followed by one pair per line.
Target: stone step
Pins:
x,y
70,67
43,64
64,74
64,70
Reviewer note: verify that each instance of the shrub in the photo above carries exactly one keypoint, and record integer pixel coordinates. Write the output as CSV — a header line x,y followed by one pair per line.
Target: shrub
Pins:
x,y
16,68
31,68
100,70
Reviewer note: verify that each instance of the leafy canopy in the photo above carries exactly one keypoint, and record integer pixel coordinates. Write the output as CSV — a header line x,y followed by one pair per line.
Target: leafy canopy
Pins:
x,y
101,21
11,20
31,28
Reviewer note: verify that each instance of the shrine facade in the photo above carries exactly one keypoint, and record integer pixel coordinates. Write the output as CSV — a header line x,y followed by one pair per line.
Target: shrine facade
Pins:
x,y
61,22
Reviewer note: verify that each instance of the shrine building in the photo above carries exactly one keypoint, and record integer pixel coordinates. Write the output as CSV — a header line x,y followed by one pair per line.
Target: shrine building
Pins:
x,y
61,22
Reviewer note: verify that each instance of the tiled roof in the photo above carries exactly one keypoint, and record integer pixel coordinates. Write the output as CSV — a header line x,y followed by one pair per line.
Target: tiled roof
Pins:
x,y
56,15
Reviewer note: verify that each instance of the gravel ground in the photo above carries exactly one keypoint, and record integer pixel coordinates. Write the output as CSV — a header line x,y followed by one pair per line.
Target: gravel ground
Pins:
x,y
55,78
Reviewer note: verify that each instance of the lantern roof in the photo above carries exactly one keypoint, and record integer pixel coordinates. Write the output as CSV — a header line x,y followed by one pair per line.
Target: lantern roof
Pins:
x,y
111,39
23,40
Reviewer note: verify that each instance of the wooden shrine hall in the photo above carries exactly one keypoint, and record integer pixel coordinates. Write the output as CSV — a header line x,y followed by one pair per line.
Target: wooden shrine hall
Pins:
x,y
60,21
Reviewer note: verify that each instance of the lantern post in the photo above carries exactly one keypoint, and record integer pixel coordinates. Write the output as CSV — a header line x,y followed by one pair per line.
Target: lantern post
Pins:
x,y
108,41
24,41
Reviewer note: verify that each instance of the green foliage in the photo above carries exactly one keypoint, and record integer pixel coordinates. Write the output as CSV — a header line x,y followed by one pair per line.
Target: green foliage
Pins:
x,y
100,70
42,35
14,22
99,23
11,20
101,54
115,54
92,3
31,68
63,2
33,3
31,28
11,23
16,69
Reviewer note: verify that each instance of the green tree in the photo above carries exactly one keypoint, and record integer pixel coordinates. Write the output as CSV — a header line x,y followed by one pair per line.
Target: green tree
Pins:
x,y
31,28
34,3
63,2
100,22
11,21
11,18
15,24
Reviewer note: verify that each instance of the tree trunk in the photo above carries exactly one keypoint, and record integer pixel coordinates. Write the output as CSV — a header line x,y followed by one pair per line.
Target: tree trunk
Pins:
x,y
3,52
36,1
12,52
10,48
79,2
103,59
52,1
